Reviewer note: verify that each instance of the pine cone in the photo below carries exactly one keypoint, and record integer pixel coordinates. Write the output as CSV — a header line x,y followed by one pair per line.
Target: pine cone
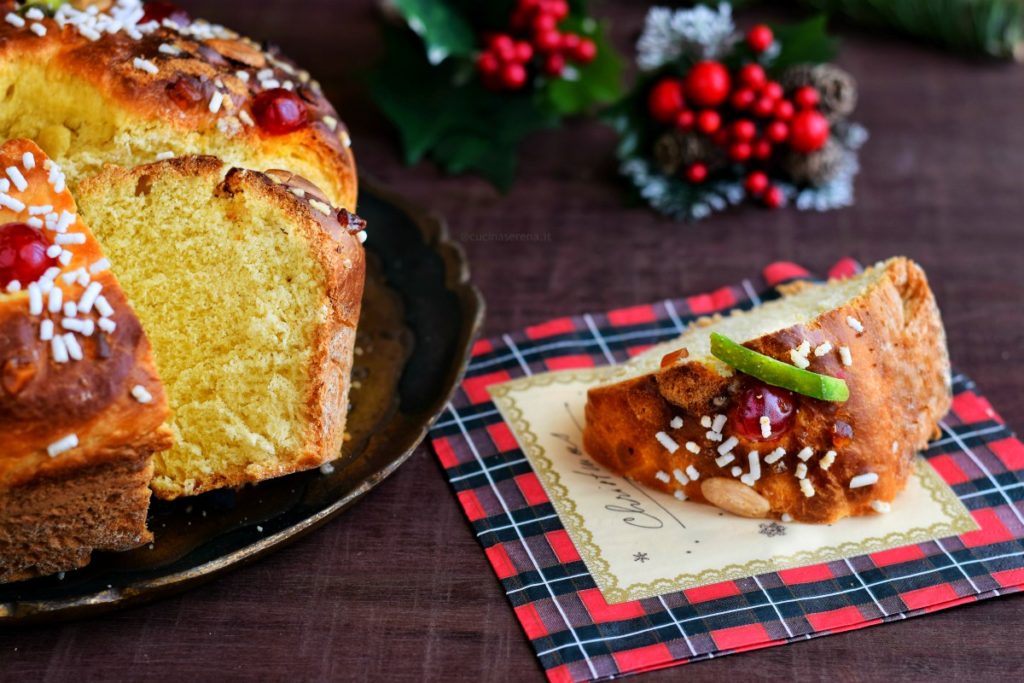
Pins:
x,y
838,91
797,76
816,168
668,152
674,151
836,87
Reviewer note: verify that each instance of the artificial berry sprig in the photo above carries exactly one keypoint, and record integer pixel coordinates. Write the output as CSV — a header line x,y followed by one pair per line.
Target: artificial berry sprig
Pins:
x,y
466,83
745,113
534,41
719,116
503,64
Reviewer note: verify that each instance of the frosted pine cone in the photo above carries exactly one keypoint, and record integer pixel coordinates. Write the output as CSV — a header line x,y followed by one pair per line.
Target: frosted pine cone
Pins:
x,y
836,88
796,76
674,151
816,168
838,91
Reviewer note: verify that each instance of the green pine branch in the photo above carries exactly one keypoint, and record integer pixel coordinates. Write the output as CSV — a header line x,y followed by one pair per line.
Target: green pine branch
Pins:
x,y
985,27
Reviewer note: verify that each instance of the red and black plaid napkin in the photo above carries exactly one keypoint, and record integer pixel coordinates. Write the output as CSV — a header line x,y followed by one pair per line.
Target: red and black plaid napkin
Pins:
x,y
578,636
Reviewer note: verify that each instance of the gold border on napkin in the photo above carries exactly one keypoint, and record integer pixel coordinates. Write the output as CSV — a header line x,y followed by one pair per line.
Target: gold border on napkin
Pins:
x,y
617,581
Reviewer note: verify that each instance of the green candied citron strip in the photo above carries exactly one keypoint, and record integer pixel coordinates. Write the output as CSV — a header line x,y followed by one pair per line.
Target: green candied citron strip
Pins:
x,y
777,373
47,6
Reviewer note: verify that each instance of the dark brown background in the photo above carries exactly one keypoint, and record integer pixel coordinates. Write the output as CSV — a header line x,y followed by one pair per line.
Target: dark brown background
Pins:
x,y
397,588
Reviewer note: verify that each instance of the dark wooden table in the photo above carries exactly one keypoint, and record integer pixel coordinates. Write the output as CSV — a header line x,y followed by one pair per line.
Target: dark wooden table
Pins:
x,y
398,589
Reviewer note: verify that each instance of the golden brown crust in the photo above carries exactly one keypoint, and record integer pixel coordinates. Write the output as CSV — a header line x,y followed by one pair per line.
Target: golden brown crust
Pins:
x,y
42,401
899,389
207,59
338,252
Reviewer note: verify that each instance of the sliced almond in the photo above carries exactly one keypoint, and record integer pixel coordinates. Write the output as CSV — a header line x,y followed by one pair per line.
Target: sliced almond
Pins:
x,y
735,497
101,5
294,180
674,357
239,51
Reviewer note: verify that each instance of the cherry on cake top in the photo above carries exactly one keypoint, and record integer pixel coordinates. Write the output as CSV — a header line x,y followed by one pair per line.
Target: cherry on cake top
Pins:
x,y
23,257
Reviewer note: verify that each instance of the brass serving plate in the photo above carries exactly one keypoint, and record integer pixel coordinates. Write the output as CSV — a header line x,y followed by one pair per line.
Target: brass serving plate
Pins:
x,y
420,318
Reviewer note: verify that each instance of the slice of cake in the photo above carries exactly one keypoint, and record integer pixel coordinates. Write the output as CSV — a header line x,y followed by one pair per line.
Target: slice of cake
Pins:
x,y
249,289
81,408
785,443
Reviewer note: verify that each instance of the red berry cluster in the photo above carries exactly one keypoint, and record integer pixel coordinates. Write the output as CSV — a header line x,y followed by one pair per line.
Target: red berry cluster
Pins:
x,y
745,113
503,64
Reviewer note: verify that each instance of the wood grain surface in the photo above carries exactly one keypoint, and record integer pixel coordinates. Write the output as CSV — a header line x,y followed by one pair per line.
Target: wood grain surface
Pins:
x,y
397,589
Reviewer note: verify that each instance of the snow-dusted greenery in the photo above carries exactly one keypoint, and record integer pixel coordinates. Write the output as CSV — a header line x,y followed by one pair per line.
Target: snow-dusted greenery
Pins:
x,y
678,199
838,192
698,33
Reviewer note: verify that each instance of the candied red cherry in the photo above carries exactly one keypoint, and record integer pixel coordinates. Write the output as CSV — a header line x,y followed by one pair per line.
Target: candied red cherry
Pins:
x,y
22,254
279,111
350,222
760,400
186,92
158,11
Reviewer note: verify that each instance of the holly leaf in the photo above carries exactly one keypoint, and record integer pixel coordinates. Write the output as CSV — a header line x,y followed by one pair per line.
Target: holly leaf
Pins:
x,y
444,31
442,113
803,43
488,16
488,132
410,92
584,86
467,153
631,120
